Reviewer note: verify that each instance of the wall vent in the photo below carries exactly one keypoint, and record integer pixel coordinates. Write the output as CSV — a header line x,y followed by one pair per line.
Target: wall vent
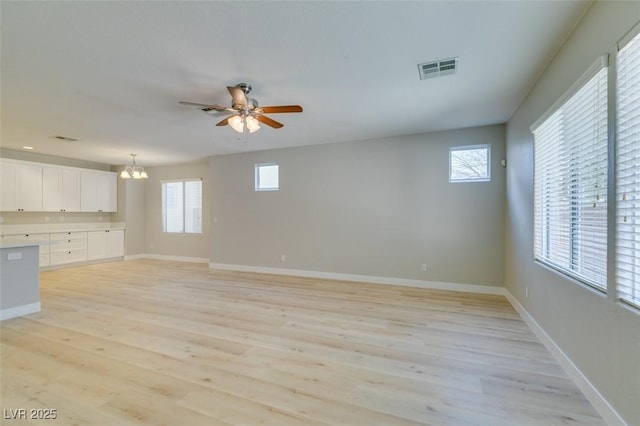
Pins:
x,y
438,68
64,138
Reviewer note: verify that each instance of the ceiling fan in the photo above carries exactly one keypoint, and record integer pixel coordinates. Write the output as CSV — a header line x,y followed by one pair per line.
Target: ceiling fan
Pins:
x,y
245,112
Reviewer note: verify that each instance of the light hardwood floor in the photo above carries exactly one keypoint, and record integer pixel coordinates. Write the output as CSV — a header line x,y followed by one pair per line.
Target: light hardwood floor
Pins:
x,y
153,342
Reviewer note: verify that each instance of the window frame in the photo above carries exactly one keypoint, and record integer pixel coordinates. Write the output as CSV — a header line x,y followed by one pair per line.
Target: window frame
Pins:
x,y
183,207
627,243
257,168
546,224
455,149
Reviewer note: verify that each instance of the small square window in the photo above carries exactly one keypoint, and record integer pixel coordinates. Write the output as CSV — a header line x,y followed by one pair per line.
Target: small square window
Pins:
x,y
470,163
267,177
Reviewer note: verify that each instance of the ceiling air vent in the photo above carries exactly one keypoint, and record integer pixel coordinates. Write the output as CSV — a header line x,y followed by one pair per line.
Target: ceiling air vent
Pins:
x,y
64,138
438,68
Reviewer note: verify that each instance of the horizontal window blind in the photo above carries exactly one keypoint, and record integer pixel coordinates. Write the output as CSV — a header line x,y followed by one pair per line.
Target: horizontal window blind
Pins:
x,y
182,206
628,169
570,181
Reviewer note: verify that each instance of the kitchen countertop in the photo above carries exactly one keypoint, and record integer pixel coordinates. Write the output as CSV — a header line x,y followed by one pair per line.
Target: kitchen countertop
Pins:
x,y
47,228
7,243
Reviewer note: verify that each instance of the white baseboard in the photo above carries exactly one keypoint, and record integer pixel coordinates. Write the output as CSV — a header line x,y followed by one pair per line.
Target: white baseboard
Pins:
x,y
19,311
135,256
608,413
434,285
170,258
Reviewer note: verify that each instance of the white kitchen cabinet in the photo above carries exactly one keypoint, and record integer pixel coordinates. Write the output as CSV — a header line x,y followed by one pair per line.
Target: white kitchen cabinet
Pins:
x,y
115,243
61,189
105,244
43,246
21,187
36,187
8,202
98,191
68,247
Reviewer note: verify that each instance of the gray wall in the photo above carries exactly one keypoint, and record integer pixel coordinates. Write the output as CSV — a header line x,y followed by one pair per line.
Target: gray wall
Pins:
x,y
131,211
164,244
601,337
51,159
377,207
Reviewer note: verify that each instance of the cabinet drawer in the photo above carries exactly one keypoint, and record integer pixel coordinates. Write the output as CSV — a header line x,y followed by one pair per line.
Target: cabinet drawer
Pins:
x,y
67,245
44,248
61,236
70,256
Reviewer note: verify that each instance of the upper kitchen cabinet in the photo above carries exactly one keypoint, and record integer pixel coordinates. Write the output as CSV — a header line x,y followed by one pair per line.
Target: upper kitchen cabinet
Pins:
x,y
61,189
20,187
98,191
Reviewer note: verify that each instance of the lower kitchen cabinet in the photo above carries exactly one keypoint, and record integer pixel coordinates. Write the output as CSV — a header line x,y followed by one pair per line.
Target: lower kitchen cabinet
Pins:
x,y
105,244
67,247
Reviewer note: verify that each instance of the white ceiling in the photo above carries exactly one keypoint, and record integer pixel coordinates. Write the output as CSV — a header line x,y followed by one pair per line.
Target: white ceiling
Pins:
x,y
110,74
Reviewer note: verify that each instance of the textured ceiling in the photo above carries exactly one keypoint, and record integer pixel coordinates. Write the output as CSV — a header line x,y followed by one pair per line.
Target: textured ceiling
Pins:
x,y
110,74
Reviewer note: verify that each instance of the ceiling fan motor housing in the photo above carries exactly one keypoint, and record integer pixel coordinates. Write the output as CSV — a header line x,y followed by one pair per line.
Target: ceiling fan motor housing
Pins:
x,y
245,87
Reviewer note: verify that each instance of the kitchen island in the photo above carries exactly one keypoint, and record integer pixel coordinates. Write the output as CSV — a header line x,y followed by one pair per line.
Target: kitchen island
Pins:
x,y
19,278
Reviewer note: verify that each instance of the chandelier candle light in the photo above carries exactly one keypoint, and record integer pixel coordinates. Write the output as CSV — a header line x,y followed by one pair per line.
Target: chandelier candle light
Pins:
x,y
134,171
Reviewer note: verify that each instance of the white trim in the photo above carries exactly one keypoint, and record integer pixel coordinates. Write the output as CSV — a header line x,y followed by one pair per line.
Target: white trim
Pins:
x,y
594,68
18,311
135,256
629,36
608,413
170,258
486,147
257,185
434,285
195,179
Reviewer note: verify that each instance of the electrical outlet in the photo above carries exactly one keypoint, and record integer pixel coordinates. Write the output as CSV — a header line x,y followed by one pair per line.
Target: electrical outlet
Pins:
x,y
526,292
151,245
423,268
283,258
47,219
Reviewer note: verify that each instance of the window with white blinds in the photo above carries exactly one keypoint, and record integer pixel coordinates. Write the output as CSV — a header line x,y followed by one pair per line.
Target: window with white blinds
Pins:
x,y
628,169
182,206
570,180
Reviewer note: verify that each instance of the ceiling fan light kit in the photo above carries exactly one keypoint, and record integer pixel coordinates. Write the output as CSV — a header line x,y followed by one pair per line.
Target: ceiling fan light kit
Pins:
x,y
134,171
238,123
245,112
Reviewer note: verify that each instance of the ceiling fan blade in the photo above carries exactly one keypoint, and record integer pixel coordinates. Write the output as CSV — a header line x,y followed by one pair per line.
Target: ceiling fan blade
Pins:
x,y
210,106
238,96
280,109
224,122
269,122
217,113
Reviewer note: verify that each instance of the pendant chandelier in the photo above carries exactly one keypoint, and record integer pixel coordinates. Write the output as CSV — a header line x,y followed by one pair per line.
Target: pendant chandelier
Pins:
x,y
134,171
